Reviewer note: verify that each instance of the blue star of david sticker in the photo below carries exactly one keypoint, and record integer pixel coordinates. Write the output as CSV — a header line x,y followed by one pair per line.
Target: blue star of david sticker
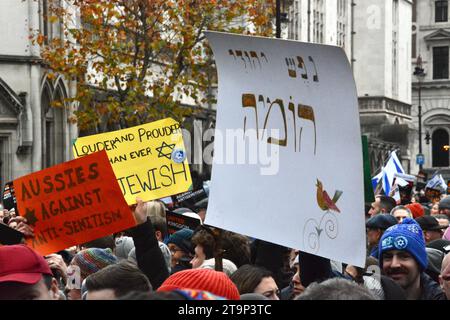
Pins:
x,y
178,155
401,242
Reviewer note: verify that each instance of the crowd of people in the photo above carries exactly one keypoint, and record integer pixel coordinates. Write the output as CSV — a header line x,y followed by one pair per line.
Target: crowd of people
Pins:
x,y
408,247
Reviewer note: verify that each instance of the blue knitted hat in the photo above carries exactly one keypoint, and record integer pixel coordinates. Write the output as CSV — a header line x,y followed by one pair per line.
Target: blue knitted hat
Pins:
x,y
182,238
406,236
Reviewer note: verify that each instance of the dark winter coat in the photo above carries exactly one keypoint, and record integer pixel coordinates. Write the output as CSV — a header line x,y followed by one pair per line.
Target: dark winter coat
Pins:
x,y
148,254
430,289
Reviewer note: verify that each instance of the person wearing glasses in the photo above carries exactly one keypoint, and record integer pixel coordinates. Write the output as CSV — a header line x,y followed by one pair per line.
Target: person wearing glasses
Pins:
x,y
182,250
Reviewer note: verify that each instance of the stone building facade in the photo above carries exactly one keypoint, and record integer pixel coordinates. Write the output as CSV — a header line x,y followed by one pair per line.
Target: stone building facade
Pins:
x,y
33,135
376,36
431,42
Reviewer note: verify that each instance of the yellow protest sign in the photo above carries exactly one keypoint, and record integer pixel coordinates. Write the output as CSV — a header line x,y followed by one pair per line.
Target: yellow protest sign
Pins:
x,y
149,160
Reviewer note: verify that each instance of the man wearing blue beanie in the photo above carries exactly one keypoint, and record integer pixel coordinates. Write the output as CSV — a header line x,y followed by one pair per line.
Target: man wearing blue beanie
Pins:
x,y
182,250
403,258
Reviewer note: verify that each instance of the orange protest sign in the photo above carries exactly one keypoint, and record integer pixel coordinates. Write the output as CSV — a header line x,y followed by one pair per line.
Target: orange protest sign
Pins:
x,y
72,203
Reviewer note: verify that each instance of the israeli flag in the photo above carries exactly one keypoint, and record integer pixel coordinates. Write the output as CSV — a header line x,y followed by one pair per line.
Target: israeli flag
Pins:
x,y
376,179
443,184
392,167
437,182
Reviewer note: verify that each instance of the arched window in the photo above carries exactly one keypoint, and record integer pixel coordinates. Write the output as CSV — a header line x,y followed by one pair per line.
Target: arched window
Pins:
x,y
47,124
52,129
440,154
59,127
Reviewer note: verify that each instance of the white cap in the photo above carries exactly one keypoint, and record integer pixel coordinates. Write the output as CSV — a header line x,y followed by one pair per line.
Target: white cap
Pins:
x,y
228,266
192,215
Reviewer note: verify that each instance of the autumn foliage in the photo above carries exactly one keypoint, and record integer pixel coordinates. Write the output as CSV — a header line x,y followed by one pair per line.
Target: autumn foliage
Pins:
x,y
135,61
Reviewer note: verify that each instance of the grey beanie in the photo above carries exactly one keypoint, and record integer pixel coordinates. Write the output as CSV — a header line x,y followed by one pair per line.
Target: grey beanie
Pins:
x,y
228,267
123,247
435,258
164,249
444,203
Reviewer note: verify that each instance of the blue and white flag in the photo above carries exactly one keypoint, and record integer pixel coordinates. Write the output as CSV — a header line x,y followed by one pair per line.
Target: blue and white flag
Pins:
x,y
437,182
388,172
376,179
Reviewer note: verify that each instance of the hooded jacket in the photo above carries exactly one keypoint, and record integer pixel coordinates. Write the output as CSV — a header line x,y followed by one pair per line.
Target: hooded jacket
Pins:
x,y
430,289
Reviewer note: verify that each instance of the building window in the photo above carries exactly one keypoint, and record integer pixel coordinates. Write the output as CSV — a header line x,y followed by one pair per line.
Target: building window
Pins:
x,y
394,64
291,26
49,145
297,21
440,63
440,153
52,129
44,21
318,25
414,11
441,11
395,12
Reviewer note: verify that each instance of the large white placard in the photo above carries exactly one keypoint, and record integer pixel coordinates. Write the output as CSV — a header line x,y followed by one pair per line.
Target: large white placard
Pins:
x,y
292,107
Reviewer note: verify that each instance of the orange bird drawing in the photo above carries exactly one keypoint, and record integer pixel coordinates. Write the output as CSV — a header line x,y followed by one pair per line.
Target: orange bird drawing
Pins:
x,y
323,199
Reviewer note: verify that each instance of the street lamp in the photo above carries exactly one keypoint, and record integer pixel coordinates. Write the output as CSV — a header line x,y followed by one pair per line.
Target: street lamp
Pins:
x,y
280,15
278,18
420,74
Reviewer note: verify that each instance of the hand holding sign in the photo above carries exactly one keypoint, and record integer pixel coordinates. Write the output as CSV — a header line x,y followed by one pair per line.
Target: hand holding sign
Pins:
x,y
57,265
21,225
140,213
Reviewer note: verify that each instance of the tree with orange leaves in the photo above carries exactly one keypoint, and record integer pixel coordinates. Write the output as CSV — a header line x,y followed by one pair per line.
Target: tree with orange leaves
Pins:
x,y
135,61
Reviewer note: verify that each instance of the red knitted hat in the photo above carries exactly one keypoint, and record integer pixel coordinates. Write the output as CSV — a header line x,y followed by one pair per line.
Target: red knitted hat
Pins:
x,y
209,280
416,209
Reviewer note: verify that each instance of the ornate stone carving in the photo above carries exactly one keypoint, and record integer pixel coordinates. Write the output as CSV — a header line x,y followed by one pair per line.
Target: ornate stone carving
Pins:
x,y
386,104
